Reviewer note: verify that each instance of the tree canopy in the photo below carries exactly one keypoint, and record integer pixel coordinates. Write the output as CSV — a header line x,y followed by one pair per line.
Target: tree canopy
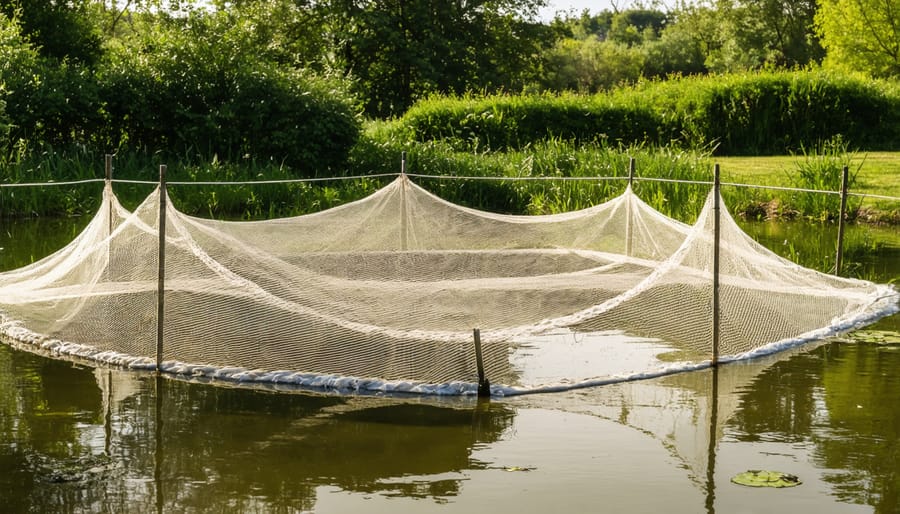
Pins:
x,y
861,35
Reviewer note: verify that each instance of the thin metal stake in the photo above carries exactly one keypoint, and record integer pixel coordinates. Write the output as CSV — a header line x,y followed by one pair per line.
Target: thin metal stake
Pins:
x,y
484,386
715,270
161,282
838,260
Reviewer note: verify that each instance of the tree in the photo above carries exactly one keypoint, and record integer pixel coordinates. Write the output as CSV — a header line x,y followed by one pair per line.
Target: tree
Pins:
x,y
401,50
590,65
58,29
861,35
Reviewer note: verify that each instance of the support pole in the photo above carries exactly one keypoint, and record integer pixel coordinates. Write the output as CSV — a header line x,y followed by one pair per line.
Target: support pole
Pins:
x,y
631,172
108,167
109,213
109,170
838,260
484,386
161,275
715,270
628,213
404,227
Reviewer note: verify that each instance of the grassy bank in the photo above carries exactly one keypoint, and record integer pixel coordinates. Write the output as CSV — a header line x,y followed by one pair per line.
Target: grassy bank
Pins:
x,y
877,173
380,149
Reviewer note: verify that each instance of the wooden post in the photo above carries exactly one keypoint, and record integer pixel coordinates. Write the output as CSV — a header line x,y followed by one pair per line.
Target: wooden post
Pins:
x,y
838,260
628,213
631,172
161,275
404,228
108,166
484,386
715,270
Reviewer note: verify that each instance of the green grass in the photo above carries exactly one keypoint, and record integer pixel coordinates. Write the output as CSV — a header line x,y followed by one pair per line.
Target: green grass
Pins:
x,y
879,174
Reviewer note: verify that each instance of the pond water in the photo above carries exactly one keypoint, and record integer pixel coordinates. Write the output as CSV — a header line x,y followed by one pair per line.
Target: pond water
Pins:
x,y
74,438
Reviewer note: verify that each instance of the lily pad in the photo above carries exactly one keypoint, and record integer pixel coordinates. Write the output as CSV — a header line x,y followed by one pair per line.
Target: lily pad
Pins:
x,y
876,336
517,468
758,478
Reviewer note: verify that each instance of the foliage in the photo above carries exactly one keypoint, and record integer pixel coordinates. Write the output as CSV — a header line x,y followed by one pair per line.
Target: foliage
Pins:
x,y
861,35
402,51
178,92
58,30
821,169
590,65
515,121
754,113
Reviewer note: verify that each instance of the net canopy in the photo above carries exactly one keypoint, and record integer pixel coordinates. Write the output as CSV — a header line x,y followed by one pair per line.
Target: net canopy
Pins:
x,y
384,293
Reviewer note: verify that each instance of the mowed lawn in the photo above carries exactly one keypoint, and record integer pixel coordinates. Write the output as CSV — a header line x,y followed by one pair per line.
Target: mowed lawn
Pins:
x,y
879,173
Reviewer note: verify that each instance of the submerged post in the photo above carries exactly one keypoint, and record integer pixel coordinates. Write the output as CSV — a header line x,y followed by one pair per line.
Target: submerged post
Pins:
x,y
715,270
161,275
711,448
484,386
838,260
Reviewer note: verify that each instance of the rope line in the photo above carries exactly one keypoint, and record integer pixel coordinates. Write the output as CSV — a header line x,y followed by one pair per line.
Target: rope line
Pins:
x,y
43,184
444,177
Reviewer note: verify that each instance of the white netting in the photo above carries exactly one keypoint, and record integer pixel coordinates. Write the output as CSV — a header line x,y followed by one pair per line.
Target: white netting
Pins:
x,y
387,290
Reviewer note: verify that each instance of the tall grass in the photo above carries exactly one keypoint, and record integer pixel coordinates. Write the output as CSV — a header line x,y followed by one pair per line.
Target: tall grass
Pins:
x,y
820,168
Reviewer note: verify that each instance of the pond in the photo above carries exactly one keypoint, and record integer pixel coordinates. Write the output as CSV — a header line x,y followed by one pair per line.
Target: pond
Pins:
x,y
75,438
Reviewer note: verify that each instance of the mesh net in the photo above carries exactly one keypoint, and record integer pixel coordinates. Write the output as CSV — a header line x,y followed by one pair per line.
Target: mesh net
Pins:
x,y
384,293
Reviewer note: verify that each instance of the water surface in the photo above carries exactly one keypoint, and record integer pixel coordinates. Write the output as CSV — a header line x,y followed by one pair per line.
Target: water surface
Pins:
x,y
74,438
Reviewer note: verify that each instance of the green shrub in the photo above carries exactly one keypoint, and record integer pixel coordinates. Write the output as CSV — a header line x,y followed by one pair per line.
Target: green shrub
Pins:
x,y
751,113
502,122
182,94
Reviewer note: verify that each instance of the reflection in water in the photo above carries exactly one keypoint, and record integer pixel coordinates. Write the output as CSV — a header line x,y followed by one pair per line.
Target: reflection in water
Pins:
x,y
98,439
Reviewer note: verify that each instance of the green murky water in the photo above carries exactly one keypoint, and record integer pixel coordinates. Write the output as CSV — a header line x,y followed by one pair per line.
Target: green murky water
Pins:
x,y
78,439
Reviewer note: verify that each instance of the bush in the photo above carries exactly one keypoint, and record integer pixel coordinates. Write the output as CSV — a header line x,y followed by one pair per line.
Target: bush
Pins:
x,y
753,113
181,93
504,122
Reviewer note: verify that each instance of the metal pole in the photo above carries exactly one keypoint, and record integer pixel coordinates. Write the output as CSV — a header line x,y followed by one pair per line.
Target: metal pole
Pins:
x,y
838,260
484,386
715,270
161,276
403,163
